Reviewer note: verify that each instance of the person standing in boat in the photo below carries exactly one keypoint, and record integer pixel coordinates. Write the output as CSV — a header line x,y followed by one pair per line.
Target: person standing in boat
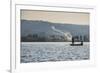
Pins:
x,y
81,42
72,40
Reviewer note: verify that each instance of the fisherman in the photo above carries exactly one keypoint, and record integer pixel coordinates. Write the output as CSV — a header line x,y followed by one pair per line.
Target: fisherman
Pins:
x,y
81,42
72,40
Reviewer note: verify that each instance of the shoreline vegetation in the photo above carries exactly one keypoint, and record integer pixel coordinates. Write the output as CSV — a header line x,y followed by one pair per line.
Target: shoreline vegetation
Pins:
x,y
52,38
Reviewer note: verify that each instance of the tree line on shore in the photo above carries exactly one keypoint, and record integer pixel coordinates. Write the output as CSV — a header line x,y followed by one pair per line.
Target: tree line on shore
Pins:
x,y
53,38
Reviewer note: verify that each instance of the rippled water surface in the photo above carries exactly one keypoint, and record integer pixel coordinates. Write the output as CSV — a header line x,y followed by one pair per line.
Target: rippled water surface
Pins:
x,y
38,52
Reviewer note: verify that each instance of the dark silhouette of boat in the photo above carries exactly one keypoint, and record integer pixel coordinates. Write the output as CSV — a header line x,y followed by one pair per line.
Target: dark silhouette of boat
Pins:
x,y
79,44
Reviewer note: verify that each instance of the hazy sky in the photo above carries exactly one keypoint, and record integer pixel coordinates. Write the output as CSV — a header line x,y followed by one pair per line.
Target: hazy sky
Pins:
x,y
56,17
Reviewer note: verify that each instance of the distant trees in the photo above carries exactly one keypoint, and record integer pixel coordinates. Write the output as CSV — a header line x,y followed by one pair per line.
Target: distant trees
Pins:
x,y
52,38
84,38
28,38
32,38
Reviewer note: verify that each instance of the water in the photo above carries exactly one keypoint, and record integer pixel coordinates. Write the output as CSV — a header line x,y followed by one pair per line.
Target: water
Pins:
x,y
44,52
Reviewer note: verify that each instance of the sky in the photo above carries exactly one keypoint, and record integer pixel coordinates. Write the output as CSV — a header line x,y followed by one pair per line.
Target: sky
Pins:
x,y
56,17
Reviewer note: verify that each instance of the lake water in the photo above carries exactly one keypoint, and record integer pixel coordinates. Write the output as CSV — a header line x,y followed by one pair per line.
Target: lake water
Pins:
x,y
44,52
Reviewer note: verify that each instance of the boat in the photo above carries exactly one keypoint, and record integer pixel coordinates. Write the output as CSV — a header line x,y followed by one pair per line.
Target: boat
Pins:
x,y
79,44
76,44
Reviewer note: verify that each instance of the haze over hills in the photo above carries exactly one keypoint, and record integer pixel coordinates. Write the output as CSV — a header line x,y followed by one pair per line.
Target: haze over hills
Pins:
x,y
40,27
